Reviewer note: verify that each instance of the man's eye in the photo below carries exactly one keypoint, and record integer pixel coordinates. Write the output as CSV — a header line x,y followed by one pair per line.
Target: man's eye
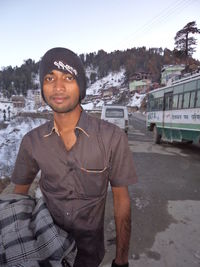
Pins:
x,y
48,78
69,78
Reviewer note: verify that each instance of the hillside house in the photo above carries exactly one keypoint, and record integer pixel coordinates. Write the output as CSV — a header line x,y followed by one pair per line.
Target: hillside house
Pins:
x,y
137,76
18,101
170,73
110,92
140,86
36,96
107,93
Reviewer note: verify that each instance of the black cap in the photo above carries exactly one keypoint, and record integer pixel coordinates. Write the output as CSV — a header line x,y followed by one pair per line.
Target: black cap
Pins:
x,y
66,61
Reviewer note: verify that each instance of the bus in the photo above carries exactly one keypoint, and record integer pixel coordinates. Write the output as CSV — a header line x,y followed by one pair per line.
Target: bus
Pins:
x,y
173,112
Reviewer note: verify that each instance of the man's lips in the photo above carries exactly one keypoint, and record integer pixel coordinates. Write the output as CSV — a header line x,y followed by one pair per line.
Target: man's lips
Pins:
x,y
59,99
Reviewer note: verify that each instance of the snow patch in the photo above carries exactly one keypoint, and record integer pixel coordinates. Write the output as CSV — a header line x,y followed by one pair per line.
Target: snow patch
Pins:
x,y
136,100
88,106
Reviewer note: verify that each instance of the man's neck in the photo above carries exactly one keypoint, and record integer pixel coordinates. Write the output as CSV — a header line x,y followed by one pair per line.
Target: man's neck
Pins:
x,y
67,121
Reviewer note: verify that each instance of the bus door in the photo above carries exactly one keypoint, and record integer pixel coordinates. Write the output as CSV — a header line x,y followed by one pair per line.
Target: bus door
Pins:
x,y
167,113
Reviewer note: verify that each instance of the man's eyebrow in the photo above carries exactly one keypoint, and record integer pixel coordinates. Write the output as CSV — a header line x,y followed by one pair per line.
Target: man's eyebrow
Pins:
x,y
51,73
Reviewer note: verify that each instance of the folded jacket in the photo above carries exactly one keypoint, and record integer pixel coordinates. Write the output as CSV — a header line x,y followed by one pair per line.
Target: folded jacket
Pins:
x,y
28,235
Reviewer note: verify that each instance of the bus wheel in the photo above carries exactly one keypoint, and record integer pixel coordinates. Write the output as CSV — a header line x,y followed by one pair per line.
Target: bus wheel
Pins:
x,y
156,135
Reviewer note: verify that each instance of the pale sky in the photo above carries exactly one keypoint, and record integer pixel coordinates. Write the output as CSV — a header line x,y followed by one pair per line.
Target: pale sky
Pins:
x,y
30,27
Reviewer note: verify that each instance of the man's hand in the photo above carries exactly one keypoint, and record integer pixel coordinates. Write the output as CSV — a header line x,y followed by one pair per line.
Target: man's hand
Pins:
x,y
122,213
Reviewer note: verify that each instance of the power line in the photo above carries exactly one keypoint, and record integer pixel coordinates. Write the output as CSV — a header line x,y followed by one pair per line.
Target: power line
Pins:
x,y
161,17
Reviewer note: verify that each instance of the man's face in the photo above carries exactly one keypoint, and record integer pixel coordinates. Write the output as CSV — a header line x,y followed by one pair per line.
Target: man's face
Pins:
x,y
61,91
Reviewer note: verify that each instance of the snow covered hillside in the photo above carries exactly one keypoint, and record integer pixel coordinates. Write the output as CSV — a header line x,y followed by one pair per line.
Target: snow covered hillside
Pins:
x,y
10,139
113,79
109,90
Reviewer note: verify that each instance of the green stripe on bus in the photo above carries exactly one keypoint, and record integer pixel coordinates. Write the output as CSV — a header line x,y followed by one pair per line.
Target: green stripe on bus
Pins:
x,y
183,126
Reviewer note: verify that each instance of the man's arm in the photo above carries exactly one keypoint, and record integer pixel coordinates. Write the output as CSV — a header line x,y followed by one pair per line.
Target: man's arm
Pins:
x,y
21,189
26,167
122,213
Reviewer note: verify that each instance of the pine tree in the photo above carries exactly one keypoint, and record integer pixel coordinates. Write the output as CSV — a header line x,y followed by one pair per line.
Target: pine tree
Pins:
x,y
185,44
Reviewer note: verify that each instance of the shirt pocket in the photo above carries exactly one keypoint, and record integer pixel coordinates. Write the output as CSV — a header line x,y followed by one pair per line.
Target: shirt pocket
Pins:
x,y
91,183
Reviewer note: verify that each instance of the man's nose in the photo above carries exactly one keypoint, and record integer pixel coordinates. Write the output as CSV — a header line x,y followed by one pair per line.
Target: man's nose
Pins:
x,y
59,84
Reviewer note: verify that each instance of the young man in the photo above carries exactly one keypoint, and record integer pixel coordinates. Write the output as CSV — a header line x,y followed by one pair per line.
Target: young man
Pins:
x,y
78,156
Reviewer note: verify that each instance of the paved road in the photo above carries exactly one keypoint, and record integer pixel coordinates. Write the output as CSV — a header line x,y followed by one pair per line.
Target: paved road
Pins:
x,y
165,203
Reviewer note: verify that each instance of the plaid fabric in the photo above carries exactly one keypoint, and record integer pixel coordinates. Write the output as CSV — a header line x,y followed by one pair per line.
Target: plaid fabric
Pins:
x,y
28,235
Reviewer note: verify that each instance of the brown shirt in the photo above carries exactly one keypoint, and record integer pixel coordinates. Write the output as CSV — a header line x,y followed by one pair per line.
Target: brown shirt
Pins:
x,y
74,183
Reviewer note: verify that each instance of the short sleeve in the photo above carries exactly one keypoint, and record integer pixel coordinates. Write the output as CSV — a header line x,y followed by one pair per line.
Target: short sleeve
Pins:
x,y
26,168
122,165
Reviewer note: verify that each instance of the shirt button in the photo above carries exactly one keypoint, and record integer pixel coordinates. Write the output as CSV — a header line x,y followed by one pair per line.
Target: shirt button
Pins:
x,y
67,213
64,263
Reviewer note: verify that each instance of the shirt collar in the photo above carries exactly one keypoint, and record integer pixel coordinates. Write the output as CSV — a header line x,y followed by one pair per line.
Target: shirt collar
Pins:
x,y
82,126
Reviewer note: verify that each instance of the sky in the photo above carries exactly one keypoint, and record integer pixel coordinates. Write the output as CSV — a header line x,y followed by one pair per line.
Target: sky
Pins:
x,y
31,27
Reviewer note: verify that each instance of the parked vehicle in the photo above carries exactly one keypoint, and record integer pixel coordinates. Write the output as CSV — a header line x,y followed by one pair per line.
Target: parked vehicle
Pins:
x,y
173,112
117,115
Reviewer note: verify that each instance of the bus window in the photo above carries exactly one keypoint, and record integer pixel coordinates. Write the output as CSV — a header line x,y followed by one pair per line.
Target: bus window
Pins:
x,y
168,101
198,99
186,100
175,102
198,84
192,99
180,100
160,103
151,102
156,103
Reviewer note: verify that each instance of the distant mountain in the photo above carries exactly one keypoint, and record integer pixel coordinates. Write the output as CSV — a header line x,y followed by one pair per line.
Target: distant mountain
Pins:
x,y
99,65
